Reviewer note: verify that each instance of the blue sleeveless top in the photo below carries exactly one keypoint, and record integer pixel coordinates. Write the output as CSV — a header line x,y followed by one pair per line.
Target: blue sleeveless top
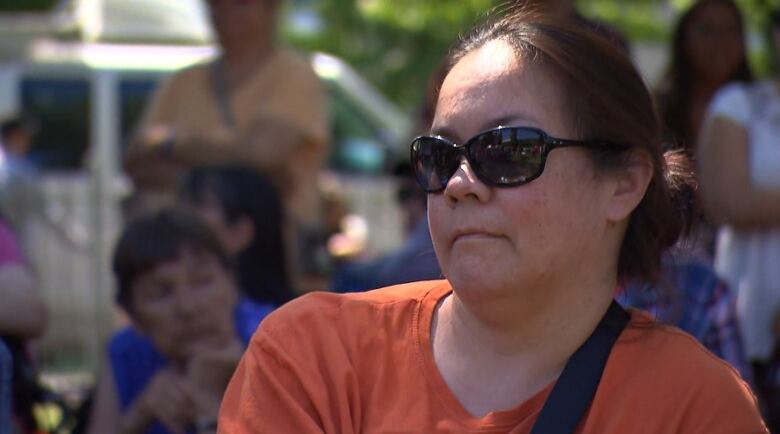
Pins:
x,y
134,360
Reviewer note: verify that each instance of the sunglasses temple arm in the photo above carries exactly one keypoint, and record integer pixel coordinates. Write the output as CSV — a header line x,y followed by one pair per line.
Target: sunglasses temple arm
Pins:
x,y
561,143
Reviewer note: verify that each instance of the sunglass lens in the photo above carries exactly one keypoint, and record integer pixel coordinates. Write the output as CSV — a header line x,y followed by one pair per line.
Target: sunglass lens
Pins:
x,y
434,161
507,156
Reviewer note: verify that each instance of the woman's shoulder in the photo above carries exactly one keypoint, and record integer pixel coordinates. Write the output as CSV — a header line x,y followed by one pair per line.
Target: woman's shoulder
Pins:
x,y
670,350
318,312
662,360
662,379
732,101
739,100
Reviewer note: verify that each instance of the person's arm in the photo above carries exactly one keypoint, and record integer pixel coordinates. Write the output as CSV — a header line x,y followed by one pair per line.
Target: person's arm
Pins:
x,y
208,374
290,122
104,414
142,159
165,399
269,143
22,309
727,192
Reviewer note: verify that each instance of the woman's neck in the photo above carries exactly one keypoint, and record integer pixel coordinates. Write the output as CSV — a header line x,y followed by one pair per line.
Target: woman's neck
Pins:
x,y
522,325
495,356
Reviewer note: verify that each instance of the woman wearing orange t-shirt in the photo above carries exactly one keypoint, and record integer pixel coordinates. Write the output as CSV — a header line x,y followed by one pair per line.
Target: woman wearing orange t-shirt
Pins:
x,y
547,187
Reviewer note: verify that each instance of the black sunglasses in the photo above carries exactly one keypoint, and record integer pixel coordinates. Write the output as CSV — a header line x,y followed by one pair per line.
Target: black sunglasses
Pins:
x,y
501,157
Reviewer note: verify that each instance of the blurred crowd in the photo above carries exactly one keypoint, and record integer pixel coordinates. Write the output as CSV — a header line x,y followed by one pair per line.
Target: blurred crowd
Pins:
x,y
227,221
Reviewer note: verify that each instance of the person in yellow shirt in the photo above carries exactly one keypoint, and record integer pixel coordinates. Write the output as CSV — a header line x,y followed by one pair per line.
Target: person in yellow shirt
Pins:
x,y
257,104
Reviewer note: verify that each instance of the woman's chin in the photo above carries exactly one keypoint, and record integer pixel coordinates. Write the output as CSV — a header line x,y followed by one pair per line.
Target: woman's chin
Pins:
x,y
476,285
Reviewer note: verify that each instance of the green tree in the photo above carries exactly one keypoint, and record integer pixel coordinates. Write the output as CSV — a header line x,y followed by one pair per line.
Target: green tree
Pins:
x,y
394,43
397,43
654,20
26,5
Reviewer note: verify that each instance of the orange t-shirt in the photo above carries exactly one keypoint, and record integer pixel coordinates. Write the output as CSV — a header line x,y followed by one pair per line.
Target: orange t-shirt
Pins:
x,y
363,363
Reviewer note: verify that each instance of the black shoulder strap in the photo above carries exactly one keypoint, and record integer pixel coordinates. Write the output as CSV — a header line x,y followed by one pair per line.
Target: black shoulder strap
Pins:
x,y
219,87
576,387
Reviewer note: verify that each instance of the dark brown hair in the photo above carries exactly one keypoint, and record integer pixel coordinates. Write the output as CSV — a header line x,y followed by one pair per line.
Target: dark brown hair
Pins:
x,y
607,100
245,193
156,238
674,92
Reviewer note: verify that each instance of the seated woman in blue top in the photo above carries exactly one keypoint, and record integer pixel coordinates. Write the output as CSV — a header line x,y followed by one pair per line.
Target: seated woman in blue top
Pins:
x,y
167,372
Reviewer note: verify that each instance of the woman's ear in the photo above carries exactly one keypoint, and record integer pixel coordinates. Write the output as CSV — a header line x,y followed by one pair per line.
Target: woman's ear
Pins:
x,y
631,185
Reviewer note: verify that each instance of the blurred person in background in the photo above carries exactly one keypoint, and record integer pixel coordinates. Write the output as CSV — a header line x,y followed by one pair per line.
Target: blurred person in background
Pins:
x,y
345,234
708,51
245,211
23,317
415,259
739,163
258,104
166,373
690,296
22,310
17,173
16,135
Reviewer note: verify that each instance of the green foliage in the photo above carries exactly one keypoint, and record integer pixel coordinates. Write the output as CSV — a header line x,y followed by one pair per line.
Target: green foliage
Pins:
x,y
654,19
394,43
26,5
397,43
637,20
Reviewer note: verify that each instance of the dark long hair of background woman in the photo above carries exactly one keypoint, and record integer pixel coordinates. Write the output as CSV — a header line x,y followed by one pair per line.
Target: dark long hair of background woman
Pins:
x,y
241,192
675,94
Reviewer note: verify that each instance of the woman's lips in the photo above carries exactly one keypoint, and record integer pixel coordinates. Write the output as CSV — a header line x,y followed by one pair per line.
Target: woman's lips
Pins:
x,y
474,235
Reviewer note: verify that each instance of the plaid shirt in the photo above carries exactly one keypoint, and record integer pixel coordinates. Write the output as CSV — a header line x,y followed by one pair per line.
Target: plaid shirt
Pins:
x,y
690,296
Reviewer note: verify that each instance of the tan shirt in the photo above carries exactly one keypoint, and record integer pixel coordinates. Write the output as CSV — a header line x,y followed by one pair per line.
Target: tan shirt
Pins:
x,y
284,92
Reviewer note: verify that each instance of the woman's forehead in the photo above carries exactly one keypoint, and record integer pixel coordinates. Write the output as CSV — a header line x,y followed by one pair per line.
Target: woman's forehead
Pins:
x,y
493,86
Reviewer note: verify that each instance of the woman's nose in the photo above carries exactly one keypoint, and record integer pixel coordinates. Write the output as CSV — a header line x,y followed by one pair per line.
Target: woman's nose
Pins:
x,y
465,185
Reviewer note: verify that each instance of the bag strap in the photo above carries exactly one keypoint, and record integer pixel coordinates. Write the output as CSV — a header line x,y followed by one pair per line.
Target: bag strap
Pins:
x,y
219,87
576,387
